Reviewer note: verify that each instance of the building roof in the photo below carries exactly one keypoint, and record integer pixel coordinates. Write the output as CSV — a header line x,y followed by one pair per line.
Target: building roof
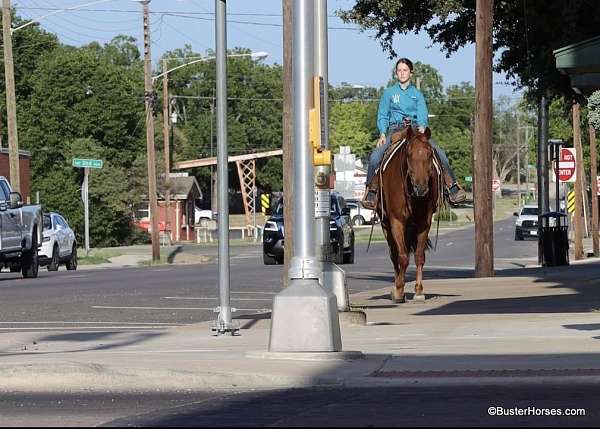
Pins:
x,y
181,188
581,61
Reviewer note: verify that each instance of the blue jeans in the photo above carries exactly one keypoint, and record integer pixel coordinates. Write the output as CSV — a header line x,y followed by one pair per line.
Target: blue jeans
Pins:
x,y
377,155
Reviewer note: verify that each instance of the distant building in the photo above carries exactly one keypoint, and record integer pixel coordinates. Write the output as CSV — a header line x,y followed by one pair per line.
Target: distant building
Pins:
x,y
184,197
24,170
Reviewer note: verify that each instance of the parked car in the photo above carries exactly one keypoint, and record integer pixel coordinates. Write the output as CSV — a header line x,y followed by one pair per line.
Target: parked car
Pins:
x,y
341,233
358,214
59,245
20,232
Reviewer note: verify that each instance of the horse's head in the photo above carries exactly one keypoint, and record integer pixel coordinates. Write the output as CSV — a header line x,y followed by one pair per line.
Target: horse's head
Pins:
x,y
419,155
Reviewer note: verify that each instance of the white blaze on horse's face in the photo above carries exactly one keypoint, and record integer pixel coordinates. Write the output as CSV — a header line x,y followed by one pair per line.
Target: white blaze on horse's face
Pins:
x,y
419,165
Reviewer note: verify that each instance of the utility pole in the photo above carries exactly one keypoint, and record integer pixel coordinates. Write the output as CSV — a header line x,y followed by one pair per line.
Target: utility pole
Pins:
x,y
288,150
166,118
578,181
594,187
542,170
518,162
11,102
482,141
149,98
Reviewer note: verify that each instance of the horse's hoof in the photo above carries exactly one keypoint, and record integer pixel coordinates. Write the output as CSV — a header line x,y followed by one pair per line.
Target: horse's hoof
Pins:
x,y
397,300
420,297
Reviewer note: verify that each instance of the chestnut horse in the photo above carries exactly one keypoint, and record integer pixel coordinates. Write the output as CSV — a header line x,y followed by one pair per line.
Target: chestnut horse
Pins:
x,y
411,191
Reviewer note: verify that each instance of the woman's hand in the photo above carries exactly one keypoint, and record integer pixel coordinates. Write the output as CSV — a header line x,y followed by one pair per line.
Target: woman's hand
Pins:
x,y
381,140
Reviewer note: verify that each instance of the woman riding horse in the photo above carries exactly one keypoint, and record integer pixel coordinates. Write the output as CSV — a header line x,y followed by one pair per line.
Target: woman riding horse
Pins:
x,y
401,102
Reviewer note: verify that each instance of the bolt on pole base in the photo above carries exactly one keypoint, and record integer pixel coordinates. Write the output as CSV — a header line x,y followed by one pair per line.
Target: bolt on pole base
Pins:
x,y
305,319
224,325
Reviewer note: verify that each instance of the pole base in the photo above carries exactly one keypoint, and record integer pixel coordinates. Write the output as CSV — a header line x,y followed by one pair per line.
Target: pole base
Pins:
x,y
305,319
224,325
333,279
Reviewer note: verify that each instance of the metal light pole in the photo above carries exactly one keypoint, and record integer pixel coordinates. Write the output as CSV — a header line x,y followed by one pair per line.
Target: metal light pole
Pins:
x,y
223,323
304,317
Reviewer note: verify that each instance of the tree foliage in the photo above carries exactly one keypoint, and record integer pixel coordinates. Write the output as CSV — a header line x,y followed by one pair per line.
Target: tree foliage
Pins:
x,y
525,32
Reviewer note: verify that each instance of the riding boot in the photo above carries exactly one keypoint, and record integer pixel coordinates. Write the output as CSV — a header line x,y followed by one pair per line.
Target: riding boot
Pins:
x,y
454,192
369,200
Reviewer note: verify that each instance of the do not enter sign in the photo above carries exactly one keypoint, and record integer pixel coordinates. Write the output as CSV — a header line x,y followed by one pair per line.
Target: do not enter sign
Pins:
x,y
567,165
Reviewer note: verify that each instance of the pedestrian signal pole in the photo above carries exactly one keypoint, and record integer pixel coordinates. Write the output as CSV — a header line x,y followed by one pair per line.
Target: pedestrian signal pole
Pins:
x,y
304,317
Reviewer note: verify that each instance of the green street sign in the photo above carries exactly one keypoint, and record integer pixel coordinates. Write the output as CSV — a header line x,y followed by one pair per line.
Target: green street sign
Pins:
x,y
87,163
468,178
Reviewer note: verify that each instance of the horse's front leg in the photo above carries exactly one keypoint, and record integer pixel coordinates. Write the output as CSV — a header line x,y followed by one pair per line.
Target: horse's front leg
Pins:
x,y
420,263
401,256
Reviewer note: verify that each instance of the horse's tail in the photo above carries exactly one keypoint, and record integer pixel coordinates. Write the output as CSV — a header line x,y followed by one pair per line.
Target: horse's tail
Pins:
x,y
411,239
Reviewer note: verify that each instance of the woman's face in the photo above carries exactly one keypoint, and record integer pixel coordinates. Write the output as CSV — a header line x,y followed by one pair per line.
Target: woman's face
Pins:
x,y
403,73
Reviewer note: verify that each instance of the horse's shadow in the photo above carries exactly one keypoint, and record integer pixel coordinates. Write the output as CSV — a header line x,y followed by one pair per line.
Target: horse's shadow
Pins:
x,y
410,296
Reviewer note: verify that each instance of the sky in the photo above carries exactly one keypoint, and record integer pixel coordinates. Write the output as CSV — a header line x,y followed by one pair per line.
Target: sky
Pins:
x,y
355,57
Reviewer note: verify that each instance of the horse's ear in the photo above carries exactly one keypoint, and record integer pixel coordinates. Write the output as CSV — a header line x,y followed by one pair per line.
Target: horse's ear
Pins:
x,y
427,133
409,132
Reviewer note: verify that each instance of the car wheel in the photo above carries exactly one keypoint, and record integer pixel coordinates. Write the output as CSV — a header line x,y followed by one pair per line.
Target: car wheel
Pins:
x,y
31,263
358,220
72,263
269,260
349,257
55,261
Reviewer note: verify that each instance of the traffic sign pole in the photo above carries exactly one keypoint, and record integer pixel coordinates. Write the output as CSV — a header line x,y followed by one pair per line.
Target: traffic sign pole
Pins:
x,y
86,205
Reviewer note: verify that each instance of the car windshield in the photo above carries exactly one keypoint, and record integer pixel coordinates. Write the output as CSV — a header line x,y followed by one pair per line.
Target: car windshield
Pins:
x,y
47,222
279,207
529,211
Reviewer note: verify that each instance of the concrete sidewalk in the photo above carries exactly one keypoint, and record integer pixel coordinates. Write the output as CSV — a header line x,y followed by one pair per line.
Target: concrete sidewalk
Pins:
x,y
531,325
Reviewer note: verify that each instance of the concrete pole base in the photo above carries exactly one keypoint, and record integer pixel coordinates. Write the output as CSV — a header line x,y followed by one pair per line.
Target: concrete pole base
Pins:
x,y
333,279
305,319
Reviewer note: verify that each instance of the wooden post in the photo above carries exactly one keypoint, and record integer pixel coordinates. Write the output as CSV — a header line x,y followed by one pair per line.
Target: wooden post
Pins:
x,y
594,184
166,119
149,97
11,103
579,181
288,151
482,141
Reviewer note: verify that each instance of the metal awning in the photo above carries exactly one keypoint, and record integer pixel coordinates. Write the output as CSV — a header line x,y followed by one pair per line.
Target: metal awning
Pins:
x,y
581,62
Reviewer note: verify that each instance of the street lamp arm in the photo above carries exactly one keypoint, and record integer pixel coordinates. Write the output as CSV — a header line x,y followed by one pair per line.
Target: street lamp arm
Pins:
x,y
256,55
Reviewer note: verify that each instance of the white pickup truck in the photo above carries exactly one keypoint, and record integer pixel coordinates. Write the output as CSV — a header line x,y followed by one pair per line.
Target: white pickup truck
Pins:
x,y
20,232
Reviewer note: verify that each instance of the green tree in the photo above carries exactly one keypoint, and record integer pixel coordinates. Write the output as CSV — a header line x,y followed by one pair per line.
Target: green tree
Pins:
x,y
525,32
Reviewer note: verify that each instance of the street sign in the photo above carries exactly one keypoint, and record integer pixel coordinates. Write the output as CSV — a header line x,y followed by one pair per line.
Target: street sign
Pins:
x,y
87,163
571,202
495,185
468,178
567,165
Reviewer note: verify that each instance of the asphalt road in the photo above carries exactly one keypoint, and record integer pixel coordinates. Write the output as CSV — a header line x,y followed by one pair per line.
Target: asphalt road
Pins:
x,y
154,297
468,406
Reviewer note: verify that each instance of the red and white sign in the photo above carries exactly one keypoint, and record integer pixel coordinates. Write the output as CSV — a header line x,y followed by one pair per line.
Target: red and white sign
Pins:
x,y
495,185
567,165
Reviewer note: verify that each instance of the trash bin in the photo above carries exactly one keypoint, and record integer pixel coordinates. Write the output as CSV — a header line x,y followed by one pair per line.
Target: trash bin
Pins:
x,y
555,239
